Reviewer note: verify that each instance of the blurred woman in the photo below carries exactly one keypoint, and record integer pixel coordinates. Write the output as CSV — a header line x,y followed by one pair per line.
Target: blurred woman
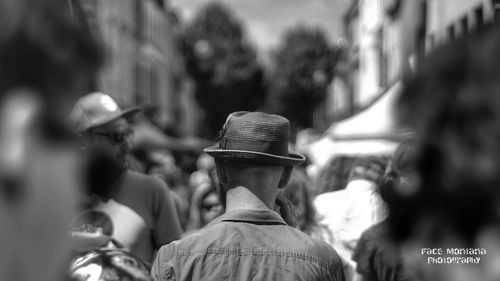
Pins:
x,y
205,203
335,175
453,105
298,192
350,211
378,254
205,206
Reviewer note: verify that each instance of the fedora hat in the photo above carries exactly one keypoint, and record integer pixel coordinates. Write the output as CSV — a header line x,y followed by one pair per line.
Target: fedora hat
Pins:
x,y
256,137
97,109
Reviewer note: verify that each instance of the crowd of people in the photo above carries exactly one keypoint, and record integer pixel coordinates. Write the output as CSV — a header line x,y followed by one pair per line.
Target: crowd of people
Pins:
x,y
77,202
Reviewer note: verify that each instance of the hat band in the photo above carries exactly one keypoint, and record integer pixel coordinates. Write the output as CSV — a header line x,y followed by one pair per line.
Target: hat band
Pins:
x,y
279,148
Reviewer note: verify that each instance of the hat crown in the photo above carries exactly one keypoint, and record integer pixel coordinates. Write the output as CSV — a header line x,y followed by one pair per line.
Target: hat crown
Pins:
x,y
256,126
256,137
94,109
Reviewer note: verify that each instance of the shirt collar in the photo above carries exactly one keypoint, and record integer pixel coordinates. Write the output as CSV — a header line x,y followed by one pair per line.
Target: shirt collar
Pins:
x,y
255,216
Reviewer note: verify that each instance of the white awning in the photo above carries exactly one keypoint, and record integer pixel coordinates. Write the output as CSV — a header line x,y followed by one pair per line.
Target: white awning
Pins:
x,y
377,121
321,151
370,132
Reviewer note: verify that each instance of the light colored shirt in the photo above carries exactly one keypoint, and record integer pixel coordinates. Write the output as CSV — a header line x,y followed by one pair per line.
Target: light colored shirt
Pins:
x,y
349,212
150,198
141,215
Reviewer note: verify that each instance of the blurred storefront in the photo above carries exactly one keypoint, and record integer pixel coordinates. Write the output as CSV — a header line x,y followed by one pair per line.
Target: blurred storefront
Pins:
x,y
450,19
385,40
159,66
371,132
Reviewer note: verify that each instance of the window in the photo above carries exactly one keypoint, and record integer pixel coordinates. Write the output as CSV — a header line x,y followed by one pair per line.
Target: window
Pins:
x,y
451,32
479,17
421,30
496,7
144,89
431,42
464,25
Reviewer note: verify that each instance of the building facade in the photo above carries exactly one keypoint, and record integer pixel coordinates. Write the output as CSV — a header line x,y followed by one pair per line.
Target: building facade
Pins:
x,y
450,19
159,65
387,38
141,65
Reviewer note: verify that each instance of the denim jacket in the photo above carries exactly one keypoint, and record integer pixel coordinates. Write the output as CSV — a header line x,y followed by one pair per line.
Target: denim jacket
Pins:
x,y
248,245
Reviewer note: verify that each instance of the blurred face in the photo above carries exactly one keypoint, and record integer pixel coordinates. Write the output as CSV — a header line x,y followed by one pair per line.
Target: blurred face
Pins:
x,y
299,203
298,200
38,168
211,208
114,139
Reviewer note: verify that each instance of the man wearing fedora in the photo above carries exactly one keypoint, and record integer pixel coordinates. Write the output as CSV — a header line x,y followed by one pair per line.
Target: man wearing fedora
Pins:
x,y
250,241
134,209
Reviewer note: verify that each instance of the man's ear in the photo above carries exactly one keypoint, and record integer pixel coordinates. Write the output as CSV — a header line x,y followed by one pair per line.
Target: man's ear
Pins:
x,y
286,176
220,167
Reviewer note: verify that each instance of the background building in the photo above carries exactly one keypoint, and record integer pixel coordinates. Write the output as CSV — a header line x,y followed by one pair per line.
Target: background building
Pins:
x,y
449,19
159,64
142,64
387,38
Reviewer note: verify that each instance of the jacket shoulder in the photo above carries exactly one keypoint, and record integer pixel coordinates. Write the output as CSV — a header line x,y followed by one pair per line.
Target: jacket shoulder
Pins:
x,y
323,251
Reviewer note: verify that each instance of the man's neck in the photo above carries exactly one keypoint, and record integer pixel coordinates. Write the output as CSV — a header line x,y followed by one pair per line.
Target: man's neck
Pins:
x,y
241,198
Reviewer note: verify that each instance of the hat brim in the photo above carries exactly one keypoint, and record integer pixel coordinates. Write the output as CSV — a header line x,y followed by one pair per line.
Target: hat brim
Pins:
x,y
294,159
127,113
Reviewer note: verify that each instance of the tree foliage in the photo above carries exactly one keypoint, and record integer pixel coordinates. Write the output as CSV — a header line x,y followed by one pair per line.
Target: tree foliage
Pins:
x,y
222,64
303,68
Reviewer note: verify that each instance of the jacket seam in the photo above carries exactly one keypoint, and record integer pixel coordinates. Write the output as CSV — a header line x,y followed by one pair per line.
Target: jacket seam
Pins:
x,y
241,253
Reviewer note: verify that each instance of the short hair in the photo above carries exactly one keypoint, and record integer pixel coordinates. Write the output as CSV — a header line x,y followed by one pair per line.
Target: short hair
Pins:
x,y
44,47
238,167
235,170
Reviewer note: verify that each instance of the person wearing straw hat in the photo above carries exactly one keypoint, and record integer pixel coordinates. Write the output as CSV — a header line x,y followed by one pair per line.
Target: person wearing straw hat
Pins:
x,y
138,208
250,241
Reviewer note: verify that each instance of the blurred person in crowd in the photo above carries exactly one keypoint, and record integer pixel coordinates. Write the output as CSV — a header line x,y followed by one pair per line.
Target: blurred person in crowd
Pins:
x,y
350,211
205,203
205,206
453,105
136,209
335,175
378,253
298,192
163,166
250,241
48,60
205,173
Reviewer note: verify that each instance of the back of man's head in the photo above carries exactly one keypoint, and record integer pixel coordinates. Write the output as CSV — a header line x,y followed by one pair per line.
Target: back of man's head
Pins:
x,y
262,180
235,173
